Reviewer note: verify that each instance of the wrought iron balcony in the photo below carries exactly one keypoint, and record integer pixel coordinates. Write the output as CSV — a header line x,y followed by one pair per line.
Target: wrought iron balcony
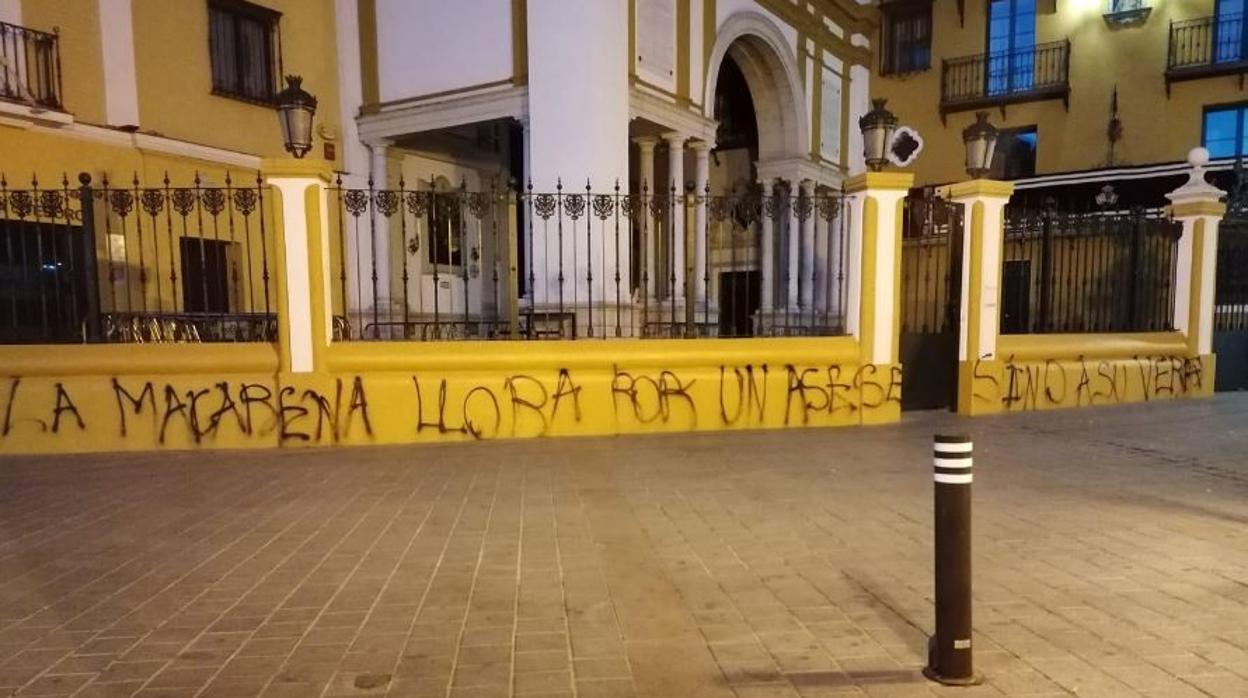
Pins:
x,y
30,67
1005,77
1207,47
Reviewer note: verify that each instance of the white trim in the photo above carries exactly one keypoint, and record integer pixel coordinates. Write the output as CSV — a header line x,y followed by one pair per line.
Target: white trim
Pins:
x,y
1119,173
946,447
121,87
1208,266
952,479
855,204
642,103
297,271
141,141
1183,276
445,112
11,11
952,462
25,116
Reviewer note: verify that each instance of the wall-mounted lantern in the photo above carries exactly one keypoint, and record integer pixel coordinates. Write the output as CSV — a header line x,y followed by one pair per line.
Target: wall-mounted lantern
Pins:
x,y
980,139
877,128
295,109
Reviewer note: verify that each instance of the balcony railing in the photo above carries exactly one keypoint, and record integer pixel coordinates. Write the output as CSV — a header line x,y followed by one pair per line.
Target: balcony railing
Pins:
x,y
30,67
1005,77
1207,47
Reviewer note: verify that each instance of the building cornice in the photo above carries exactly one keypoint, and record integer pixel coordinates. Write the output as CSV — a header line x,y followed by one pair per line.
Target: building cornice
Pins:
x,y
646,105
408,117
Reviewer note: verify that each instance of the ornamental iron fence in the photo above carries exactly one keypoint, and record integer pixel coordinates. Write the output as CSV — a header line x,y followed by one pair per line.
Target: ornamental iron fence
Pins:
x,y
432,262
136,263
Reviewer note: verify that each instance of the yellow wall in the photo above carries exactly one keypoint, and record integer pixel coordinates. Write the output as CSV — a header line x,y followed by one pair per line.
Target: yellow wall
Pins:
x,y
1042,372
82,74
175,76
76,398
1155,128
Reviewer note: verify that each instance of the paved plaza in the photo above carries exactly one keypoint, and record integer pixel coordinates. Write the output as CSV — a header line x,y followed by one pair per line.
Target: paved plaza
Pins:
x,y
1111,559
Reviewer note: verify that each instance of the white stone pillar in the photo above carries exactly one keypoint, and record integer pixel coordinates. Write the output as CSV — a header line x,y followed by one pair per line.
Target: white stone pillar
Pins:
x,y
701,233
1198,206
676,214
823,253
792,238
648,222
807,266
379,226
767,248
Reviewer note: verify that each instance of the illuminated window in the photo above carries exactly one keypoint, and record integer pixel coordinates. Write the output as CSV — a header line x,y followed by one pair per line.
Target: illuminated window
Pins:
x,y
1226,130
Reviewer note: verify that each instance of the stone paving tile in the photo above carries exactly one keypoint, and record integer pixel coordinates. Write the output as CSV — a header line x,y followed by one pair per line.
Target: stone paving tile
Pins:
x,y
1111,559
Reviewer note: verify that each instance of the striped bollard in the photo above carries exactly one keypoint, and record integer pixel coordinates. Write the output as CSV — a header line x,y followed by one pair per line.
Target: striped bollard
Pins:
x,y
949,658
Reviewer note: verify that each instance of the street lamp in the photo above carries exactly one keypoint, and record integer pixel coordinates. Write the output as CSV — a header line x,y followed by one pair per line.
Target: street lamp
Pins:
x,y
877,128
295,109
981,142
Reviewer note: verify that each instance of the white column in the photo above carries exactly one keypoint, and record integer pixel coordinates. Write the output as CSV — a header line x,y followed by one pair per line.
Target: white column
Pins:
x,y
859,98
702,178
380,228
792,238
823,253
354,156
649,223
1198,206
807,266
534,254
676,213
767,249
11,11
121,90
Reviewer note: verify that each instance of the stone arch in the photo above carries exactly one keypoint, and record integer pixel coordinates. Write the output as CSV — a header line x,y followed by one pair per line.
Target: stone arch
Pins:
x,y
766,60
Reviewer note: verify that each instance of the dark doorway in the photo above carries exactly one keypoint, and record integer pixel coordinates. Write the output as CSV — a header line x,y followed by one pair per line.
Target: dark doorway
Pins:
x,y
738,301
1016,297
205,275
43,282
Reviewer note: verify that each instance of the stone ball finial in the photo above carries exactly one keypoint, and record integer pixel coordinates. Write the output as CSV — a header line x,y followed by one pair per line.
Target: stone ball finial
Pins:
x,y
1198,157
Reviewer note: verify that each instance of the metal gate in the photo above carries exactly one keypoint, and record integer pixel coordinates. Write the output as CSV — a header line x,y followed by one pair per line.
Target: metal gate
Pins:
x,y
931,284
1230,309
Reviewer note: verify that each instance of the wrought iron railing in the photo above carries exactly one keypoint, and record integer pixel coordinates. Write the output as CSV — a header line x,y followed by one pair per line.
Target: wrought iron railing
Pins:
x,y
1207,45
1090,271
1003,77
135,262
30,67
423,263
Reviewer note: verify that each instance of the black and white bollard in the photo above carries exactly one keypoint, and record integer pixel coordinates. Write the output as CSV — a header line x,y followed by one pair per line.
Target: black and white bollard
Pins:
x,y
949,651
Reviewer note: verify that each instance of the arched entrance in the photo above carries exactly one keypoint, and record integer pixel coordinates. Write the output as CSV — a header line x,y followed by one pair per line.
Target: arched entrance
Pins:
x,y
753,95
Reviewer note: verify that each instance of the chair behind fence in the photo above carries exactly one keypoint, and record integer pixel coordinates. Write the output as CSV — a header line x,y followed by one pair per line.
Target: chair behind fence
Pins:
x,y
136,261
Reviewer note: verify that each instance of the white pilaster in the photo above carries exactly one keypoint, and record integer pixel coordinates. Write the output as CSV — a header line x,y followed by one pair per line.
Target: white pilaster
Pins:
x,y
350,91
379,292
807,266
1198,206
822,258
792,239
11,11
702,178
297,272
121,87
676,217
649,223
767,245
859,98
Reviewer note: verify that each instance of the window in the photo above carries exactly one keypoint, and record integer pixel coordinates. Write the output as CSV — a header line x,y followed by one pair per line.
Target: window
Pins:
x,y
1015,155
1229,38
1011,46
445,229
242,40
1226,131
907,37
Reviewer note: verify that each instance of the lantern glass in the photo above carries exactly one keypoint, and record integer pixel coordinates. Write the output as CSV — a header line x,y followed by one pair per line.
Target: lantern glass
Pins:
x,y
877,128
295,112
980,139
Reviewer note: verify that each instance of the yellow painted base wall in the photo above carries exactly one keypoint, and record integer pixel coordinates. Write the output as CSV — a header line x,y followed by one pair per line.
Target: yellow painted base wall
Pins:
x,y
1043,372
69,399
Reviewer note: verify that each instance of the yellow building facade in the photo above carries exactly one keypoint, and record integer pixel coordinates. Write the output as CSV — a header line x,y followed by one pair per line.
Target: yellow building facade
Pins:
x,y
1103,90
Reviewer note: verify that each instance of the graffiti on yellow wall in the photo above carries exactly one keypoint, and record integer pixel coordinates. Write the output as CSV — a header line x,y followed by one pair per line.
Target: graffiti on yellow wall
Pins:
x,y
72,413
1022,385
